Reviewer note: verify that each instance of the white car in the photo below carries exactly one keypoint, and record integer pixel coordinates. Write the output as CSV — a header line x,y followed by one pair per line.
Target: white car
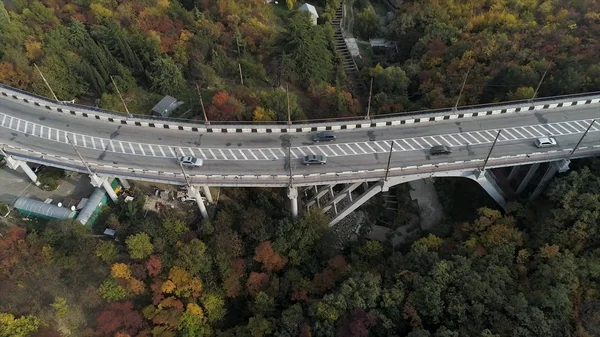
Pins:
x,y
545,142
190,161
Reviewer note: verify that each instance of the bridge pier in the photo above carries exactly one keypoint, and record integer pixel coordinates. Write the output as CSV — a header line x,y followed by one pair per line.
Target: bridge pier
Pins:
x,y
556,166
292,193
527,178
14,164
124,183
195,193
104,182
513,173
486,180
207,194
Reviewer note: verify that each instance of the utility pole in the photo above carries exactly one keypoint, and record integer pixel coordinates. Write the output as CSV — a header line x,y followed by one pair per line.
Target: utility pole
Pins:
x,y
290,165
489,153
369,105
202,105
461,90
287,94
387,170
80,157
121,97
241,76
539,84
580,140
48,85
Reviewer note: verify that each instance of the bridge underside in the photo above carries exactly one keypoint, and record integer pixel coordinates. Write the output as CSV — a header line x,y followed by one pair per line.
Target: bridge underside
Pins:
x,y
339,200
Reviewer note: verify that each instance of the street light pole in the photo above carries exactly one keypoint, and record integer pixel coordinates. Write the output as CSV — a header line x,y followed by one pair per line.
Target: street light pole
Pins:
x,y
369,105
461,90
287,94
387,170
580,140
48,85
121,97
202,105
490,153
539,84
80,157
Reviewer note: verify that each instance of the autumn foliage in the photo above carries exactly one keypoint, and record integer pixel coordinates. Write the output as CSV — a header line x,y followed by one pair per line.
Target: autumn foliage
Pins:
x,y
270,259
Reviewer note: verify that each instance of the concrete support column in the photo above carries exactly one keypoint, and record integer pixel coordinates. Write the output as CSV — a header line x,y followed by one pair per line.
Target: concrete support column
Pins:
x,y
557,166
207,194
124,183
108,188
29,172
513,173
527,178
14,164
488,183
365,186
292,193
195,193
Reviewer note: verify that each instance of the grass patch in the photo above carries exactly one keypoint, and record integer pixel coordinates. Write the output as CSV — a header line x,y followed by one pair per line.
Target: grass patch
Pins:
x,y
49,178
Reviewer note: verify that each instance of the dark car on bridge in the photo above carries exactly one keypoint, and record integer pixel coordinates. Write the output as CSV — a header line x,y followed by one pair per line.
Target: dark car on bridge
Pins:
x,y
439,149
314,159
327,136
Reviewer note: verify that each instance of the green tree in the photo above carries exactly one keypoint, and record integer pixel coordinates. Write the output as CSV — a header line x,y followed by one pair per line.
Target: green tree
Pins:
x,y
214,306
111,291
165,76
306,46
24,326
139,245
259,326
367,24
106,251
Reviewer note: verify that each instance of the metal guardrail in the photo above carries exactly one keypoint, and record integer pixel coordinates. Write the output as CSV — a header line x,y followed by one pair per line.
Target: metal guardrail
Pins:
x,y
374,118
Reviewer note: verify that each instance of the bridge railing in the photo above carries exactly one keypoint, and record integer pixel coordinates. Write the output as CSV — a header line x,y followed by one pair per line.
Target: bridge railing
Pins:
x,y
374,118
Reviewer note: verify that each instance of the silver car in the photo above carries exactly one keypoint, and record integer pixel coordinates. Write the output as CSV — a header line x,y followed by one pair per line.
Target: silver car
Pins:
x,y
314,159
545,142
190,161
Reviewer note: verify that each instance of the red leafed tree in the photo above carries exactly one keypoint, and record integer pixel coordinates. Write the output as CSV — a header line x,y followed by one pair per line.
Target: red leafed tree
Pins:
x,y
225,107
270,259
324,281
237,266
153,265
257,282
10,245
118,317
305,330
338,263
357,324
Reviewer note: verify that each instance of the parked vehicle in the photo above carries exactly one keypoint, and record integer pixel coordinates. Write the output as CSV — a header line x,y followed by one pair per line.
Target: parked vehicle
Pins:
x,y
314,159
545,142
439,149
327,136
190,161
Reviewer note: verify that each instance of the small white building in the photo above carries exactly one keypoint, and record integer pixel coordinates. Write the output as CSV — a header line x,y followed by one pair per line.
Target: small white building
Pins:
x,y
312,10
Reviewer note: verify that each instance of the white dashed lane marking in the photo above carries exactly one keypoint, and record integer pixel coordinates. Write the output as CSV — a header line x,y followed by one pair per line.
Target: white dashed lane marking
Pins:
x,y
332,150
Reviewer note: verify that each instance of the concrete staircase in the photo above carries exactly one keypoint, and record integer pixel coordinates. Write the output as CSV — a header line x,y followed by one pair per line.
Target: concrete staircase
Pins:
x,y
340,44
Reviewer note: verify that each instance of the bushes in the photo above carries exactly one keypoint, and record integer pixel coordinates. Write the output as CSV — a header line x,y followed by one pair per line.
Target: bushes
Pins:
x,y
50,177
3,209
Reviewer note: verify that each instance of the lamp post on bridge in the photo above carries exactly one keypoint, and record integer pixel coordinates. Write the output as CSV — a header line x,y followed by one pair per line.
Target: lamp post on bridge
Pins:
x,y
387,170
580,140
490,153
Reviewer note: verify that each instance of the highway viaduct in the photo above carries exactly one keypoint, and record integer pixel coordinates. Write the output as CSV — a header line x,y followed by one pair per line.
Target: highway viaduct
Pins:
x,y
36,129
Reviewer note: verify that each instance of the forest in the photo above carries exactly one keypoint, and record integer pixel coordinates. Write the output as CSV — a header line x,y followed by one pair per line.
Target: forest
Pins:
x,y
242,56
532,270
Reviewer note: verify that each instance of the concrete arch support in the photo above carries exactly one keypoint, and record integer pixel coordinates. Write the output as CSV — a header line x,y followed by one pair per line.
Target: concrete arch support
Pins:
x,y
489,184
14,164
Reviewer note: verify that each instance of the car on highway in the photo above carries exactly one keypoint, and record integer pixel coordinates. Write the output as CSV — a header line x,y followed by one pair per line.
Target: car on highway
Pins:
x,y
545,142
439,149
190,161
327,136
314,159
